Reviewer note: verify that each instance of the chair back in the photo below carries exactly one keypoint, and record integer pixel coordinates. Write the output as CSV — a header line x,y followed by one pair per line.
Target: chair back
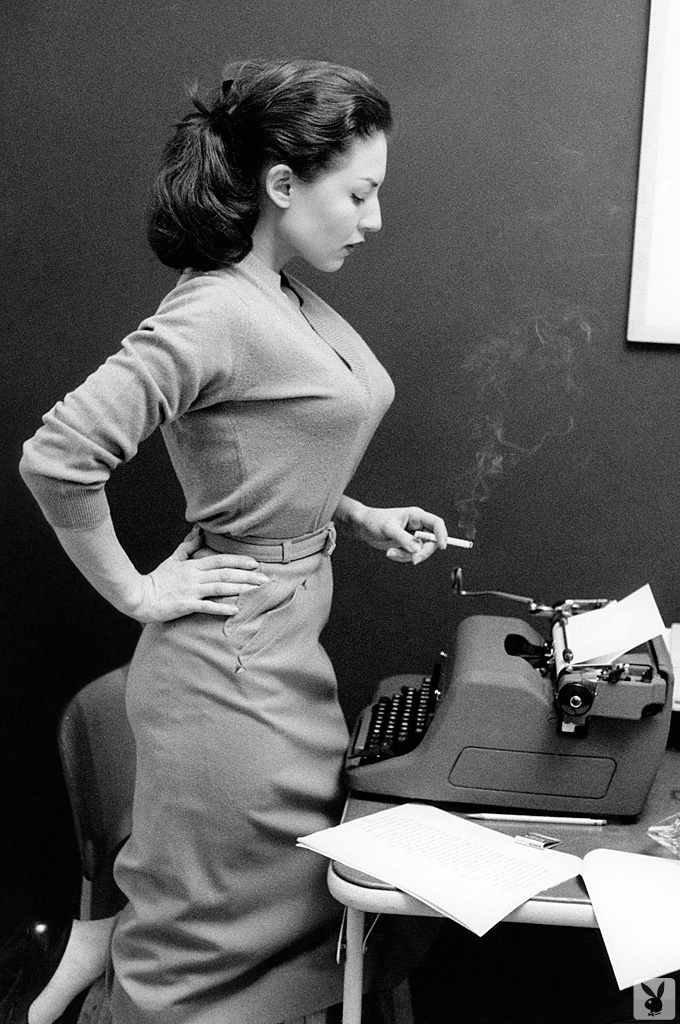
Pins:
x,y
97,751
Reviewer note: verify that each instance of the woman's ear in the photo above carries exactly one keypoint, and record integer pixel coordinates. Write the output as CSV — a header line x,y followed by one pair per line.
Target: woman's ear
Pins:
x,y
277,184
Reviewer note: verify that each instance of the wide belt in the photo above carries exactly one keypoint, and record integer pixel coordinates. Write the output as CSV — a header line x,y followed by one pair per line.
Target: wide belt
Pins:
x,y
266,549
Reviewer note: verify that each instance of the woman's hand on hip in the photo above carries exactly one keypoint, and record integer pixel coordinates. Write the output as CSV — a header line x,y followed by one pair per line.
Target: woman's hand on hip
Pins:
x,y
392,529
184,584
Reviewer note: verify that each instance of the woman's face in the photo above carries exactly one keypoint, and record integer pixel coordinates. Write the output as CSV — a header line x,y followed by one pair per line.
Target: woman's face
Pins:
x,y
329,216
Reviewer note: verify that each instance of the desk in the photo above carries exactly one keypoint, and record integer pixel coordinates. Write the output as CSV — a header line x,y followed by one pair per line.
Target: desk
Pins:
x,y
566,904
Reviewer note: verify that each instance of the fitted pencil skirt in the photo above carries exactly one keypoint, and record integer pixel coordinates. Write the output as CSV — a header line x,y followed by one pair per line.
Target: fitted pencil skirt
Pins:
x,y
240,741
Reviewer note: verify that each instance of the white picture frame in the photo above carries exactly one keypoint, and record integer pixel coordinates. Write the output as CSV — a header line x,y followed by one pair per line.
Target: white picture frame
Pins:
x,y
654,307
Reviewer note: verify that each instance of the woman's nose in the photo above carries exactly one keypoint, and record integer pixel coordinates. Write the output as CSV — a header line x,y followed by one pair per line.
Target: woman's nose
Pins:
x,y
372,220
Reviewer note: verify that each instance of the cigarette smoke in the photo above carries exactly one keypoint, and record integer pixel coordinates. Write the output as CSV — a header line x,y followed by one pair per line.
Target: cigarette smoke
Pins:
x,y
526,387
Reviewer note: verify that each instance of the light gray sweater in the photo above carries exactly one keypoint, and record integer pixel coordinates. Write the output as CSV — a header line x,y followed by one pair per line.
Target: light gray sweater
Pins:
x,y
265,412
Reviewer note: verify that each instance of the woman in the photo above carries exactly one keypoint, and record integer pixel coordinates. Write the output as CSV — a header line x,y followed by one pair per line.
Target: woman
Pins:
x,y
267,400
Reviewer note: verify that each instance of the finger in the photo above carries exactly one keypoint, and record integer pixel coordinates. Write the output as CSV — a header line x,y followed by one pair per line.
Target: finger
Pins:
x,y
226,562
255,579
398,555
428,548
403,539
190,544
219,589
438,527
215,608
419,519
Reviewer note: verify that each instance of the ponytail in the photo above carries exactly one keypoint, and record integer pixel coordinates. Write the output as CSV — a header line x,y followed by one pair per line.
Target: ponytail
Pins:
x,y
203,207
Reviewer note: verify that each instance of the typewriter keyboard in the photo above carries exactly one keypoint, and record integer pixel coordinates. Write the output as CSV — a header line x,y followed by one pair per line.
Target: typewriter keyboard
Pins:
x,y
396,724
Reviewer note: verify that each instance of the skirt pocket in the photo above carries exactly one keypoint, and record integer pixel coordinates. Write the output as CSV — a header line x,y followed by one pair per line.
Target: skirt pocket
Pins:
x,y
264,615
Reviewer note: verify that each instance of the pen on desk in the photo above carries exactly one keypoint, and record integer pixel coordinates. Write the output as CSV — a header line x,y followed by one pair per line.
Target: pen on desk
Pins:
x,y
452,542
547,820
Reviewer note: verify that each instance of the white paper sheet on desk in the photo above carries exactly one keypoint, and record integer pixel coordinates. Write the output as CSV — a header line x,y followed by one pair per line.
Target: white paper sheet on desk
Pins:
x,y
616,628
468,872
636,899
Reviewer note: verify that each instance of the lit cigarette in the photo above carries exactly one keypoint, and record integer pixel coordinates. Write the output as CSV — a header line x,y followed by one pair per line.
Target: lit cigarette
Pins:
x,y
452,542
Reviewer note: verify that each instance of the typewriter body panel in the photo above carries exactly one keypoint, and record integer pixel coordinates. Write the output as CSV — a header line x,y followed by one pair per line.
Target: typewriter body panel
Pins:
x,y
492,734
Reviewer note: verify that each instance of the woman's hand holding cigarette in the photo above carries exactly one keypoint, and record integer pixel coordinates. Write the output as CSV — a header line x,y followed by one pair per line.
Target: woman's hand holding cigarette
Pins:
x,y
394,530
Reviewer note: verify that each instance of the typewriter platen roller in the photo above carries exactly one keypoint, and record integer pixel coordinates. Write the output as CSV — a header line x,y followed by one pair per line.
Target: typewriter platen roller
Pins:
x,y
500,723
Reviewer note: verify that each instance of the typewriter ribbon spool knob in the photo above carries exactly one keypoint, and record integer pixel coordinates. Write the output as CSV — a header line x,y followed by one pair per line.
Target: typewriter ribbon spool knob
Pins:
x,y
575,699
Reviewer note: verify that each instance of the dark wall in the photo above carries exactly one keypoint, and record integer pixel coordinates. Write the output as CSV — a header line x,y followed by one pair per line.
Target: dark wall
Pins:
x,y
496,296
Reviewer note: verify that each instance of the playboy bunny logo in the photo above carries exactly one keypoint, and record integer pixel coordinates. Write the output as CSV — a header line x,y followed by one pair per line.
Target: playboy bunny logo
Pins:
x,y
655,999
654,1004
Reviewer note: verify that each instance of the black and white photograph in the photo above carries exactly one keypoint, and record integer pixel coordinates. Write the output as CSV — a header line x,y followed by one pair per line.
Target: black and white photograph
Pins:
x,y
340,603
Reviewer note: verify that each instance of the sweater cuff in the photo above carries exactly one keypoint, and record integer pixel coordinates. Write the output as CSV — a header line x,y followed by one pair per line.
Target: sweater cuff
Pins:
x,y
68,506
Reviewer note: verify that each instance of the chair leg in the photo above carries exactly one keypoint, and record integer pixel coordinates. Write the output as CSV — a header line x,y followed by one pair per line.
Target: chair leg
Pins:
x,y
85,899
395,1004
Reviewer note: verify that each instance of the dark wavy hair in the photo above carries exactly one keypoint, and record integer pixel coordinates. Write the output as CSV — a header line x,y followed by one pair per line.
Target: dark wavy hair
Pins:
x,y
304,113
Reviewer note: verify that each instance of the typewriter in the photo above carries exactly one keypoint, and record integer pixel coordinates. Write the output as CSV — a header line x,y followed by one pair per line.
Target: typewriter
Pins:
x,y
506,720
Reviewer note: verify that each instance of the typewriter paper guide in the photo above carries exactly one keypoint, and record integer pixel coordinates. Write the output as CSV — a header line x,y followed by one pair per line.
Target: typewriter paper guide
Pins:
x,y
607,633
470,873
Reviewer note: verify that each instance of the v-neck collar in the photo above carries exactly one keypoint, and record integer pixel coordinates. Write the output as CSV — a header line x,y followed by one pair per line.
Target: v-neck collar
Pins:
x,y
329,327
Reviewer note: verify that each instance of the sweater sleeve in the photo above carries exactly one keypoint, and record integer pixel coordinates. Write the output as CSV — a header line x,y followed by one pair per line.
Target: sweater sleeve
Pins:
x,y
186,355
